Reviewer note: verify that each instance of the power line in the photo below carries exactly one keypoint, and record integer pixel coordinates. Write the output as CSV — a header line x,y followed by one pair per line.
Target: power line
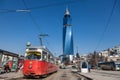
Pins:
x,y
32,18
39,7
11,11
107,25
6,11
44,6
55,4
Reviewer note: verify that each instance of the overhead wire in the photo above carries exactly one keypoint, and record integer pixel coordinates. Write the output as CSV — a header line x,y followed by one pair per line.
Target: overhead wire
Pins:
x,y
12,11
6,10
107,24
55,4
32,18
44,6
39,7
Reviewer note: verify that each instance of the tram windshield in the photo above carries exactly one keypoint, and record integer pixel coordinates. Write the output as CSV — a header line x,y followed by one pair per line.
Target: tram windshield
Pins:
x,y
33,55
84,65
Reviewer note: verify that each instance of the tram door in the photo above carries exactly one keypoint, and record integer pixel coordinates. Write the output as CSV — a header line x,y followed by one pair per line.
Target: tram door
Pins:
x,y
84,67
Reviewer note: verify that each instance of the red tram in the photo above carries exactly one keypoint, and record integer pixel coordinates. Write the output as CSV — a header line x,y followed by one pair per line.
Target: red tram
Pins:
x,y
39,62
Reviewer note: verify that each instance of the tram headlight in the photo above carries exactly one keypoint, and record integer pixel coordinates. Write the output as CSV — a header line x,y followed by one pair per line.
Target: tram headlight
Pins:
x,y
30,66
30,62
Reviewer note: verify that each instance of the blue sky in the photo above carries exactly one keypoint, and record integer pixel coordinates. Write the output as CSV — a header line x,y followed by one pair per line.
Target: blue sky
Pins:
x,y
89,20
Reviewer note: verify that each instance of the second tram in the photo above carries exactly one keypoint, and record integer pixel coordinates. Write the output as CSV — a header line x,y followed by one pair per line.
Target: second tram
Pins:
x,y
39,62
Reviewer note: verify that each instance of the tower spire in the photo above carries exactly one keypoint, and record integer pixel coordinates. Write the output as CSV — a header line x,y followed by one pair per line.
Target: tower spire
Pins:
x,y
67,11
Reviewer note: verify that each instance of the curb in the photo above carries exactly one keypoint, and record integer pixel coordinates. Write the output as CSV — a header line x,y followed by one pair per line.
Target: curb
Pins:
x,y
85,76
82,75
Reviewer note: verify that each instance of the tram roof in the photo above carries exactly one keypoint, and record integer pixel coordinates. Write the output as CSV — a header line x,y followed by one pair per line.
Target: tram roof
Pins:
x,y
40,47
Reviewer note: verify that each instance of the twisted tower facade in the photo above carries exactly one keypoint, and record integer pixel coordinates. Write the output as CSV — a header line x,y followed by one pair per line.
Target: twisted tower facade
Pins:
x,y
67,35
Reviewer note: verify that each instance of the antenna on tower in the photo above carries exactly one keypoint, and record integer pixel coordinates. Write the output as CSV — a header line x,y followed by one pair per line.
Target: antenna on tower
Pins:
x,y
66,11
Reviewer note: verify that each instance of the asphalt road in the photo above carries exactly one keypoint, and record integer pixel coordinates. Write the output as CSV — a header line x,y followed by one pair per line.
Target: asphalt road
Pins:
x,y
62,74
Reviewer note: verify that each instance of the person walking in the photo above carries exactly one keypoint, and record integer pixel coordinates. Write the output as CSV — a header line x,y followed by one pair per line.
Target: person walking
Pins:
x,y
89,67
6,68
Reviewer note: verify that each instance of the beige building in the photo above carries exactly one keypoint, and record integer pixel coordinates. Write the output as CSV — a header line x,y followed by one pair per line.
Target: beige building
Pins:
x,y
114,58
104,53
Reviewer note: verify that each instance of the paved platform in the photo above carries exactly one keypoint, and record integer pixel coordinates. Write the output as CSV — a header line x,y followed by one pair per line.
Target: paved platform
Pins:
x,y
7,76
94,75
102,75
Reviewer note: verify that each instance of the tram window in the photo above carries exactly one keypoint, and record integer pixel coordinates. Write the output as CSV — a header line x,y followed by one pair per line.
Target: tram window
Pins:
x,y
51,59
84,65
48,57
33,56
44,55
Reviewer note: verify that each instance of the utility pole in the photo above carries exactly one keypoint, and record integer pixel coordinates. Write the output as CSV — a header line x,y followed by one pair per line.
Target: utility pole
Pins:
x,y
40,37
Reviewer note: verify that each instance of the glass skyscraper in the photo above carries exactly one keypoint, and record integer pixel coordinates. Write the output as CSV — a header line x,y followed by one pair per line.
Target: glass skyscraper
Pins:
x,y
67,35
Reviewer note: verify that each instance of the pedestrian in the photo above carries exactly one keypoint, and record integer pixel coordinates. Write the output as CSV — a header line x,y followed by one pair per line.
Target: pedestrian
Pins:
x,y
6,68
20,66
89,67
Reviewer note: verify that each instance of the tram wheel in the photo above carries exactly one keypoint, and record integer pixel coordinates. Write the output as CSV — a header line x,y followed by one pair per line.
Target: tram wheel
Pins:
x,y
25,76
37,77
44,76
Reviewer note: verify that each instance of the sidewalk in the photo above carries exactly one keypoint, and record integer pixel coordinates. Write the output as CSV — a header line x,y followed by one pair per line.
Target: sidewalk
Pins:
x,y
7,76
102,75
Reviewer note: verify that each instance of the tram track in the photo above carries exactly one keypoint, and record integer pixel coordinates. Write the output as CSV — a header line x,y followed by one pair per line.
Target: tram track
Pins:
x,y
80,77
62,74
68,75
